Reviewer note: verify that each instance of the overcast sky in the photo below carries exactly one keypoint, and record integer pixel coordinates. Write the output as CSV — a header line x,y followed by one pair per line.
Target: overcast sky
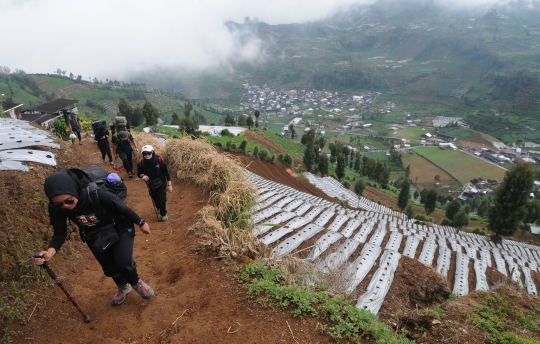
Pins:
x,y
106,38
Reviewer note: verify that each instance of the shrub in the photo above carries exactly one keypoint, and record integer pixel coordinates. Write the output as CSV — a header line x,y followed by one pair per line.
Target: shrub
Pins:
x,y
226,132
423,217
263,154
479,230
446,222
285,159
256,151
215,144
243,146
233,146
346,184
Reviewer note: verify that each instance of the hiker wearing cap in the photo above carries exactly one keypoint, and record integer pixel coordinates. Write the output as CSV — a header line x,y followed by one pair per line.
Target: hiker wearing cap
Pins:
x,y
122,142
102,136
152,168
69,198
75,126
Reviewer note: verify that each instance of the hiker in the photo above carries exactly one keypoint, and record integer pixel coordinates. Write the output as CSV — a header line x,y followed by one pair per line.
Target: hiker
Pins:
x,y
102,137
69,199
153,170
122,148
75,126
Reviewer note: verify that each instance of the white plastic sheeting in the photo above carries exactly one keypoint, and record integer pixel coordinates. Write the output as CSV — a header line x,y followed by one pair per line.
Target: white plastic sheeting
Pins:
x,y
293,205
394,242
302,209
410,246
380,283
531,288
481,279
359,269
428,252
290,227
323,244
499,261
276,220
338,222
313,213
337,258
378,237
13,165
461,282
287,246
351,227
443,262
265,213
325,217
32,155
363,233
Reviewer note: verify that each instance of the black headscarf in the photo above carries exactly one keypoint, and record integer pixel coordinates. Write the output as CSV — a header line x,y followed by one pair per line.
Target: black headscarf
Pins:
x,y
65,182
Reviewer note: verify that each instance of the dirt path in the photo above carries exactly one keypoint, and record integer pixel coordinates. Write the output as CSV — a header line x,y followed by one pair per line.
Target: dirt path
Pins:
x,y
196,300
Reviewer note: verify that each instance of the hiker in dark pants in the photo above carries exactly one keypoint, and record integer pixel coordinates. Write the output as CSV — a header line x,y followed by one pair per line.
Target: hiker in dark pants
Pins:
x,y
153,170
69,199
122,148
103,142
75,126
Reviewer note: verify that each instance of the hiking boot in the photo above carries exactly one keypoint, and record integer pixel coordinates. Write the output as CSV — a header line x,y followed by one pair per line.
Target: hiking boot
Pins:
x,y
163,218
130,174
111,163
120,295
144,290
104,161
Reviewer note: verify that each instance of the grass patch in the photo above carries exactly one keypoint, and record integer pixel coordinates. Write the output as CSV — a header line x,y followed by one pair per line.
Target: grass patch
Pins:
x,y
289,145
344,321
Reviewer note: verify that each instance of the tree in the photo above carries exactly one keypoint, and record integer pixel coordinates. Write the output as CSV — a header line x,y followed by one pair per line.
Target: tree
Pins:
x,y
359,188
452,209
431,201
187,109
423,194
150,113
229,119
293,132
175,119
409,211
416,194
404,195
125,109
137,117
249,122
242,120
461,219
340,168
257,113
310,157
323,165
437,178
508,209
407,171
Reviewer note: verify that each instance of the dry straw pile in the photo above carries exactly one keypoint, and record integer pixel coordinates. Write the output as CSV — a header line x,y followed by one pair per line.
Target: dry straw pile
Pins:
x,y
225,224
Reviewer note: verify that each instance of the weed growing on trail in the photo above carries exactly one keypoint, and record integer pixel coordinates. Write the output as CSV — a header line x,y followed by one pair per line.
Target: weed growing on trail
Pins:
x,y
345,321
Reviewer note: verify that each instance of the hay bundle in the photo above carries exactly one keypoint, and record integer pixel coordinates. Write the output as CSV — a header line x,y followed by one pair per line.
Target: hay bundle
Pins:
x,y
146,139
227,224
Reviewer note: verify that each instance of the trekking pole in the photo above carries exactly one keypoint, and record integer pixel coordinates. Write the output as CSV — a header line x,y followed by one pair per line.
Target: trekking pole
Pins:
x,y
86,318
152,198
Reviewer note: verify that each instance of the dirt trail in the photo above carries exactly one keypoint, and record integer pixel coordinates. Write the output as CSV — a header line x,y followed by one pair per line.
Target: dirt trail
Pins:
x,y
196,300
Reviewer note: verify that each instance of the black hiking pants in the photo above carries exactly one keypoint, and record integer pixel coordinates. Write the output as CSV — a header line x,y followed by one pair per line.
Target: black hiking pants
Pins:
x,y
159,196
117,261
127,160
105,149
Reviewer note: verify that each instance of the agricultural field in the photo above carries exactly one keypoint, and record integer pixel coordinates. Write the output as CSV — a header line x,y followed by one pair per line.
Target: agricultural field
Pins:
x,y
423,172
412,132
57,82
460,165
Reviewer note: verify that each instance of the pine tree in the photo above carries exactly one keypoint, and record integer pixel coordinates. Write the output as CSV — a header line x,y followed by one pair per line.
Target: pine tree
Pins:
x,y
150,113
359,188
249,122
125,109
404,195
409,211
257,113
229,119
340,168
461,219
508,209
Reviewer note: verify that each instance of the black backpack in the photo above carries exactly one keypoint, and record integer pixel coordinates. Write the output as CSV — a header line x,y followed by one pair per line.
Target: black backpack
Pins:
x,y
95,177
96,129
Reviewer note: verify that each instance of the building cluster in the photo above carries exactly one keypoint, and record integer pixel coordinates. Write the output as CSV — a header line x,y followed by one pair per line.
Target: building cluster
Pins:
x,y
477,187
301,102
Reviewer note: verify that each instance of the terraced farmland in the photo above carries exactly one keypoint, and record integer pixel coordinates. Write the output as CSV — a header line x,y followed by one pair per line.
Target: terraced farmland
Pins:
x,y
366,244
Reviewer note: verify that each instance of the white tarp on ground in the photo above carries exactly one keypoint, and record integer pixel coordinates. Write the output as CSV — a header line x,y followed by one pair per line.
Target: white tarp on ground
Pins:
x,y
359,269
287,246
33,155
380,283
323,244
338,257
13,165
461,282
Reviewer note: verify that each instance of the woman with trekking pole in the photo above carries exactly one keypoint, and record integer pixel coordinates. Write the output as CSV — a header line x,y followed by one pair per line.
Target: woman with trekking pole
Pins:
x,y
106,224
152,168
